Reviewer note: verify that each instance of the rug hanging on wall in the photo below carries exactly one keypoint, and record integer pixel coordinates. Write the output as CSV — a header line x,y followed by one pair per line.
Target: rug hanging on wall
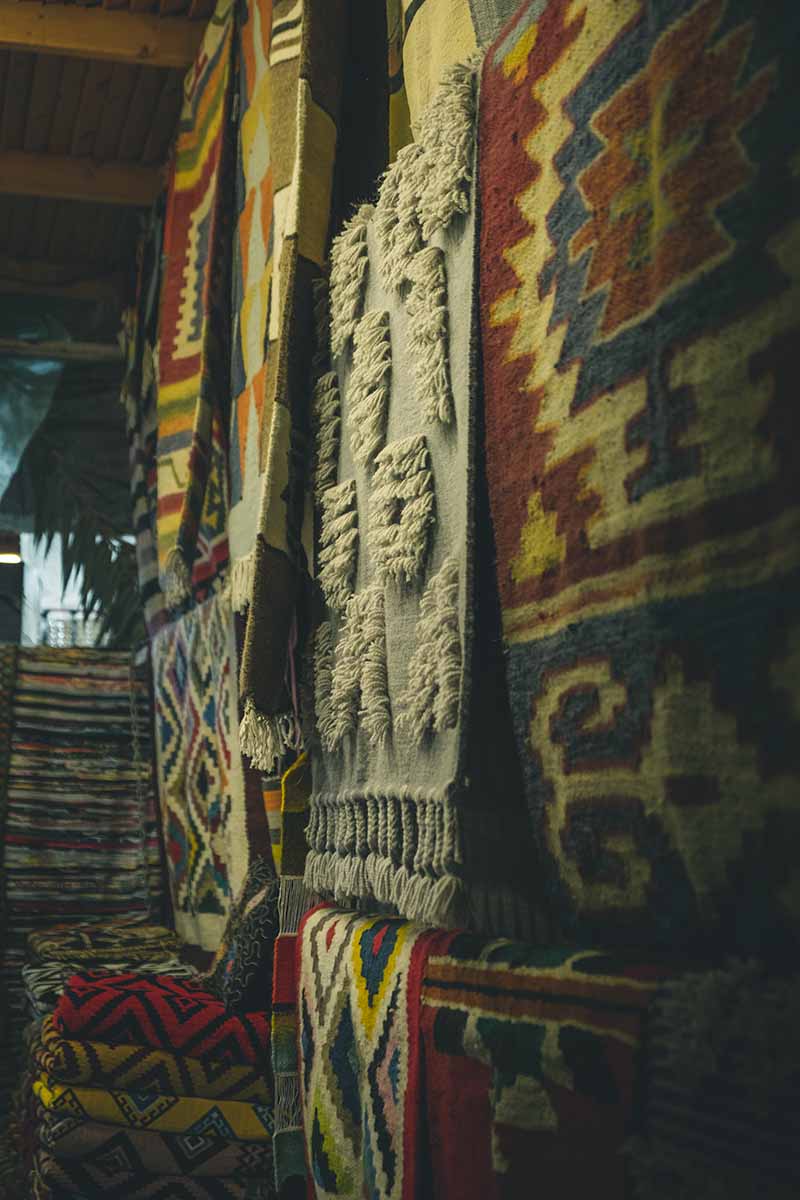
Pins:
x,y
194,304
306,67
640,265
199,768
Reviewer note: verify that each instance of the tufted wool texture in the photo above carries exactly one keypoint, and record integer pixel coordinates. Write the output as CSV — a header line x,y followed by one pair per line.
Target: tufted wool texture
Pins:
x,y
640,261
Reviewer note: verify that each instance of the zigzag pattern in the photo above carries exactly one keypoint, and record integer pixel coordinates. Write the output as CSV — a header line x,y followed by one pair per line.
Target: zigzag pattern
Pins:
x,y
56,1179
166,1014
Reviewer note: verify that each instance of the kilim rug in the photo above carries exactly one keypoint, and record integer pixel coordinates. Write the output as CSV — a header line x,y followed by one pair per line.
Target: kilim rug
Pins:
x,y
45,984
80,840
306,63
56,1178
394,476
142,1069
530,1060
212,554
640,267
108,1151
166,1014
194,304
92,944
199,768
361,1089
293,901
722,1107
230,1119
139,398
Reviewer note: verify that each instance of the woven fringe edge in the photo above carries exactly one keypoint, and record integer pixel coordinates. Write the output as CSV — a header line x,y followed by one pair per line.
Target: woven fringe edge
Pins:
x,y
240,582
176,583
288,1110
294,899
263,738
433,901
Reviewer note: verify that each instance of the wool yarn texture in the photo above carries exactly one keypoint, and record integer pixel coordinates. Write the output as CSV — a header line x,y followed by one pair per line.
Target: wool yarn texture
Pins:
x,y
639,288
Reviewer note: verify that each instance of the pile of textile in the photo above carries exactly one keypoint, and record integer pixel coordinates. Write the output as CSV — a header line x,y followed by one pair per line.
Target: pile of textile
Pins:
x,y
140,1080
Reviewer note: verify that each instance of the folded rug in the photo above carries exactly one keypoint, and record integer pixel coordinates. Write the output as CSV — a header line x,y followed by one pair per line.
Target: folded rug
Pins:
x,y
194,304
44,985
97,944
199,768
142,1069
722,1088
231,1119
167,1014
54,1178
530,1065
640,281
362,1093
108,1150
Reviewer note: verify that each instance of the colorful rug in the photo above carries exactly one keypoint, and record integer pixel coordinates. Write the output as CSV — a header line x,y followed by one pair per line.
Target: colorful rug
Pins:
x,y
395,459
142,1069
80,841
199,764
294,900
307,41
54,1178
107,1151
44,985
194,304
179,1016
361,1089
640,266
530,1066
722,1109
162,1112
93,944
140,401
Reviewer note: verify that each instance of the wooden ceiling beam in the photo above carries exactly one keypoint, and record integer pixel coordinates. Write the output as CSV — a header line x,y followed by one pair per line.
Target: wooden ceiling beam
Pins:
x,y
64,178
97,33
99,352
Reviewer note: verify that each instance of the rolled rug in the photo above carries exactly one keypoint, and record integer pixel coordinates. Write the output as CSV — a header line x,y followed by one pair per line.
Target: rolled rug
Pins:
x,y
109,1149
53,1179
140,1068
231,1119
94,944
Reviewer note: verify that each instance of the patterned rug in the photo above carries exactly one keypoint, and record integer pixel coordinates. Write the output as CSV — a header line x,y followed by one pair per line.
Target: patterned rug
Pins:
x,y
142,1069
140,401
722,1108
360,1053
199,769
107,1151
394,476
44,985
530,1066
640,265
179,1016
54,1179
229,1119
305,74
92,944
194,304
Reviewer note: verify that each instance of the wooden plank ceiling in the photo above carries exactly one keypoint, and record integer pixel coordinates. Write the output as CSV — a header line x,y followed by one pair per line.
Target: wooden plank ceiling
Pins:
x,y
89,102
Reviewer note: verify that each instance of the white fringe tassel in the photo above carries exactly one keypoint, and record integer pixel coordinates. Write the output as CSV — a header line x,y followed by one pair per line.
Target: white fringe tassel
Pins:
x,y
430,702
349,263
428,335
264,739
447,131
369,386
402,509
240,582
338,553
177,581
327,427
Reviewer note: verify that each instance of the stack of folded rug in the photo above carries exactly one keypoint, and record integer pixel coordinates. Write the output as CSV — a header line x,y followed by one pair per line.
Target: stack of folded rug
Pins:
x,y
150,1085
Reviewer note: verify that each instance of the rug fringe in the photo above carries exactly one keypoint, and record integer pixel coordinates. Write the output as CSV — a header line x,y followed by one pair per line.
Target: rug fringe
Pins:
x,y
369,386
294,899
265,738
240,582
176,583
427,336
349,262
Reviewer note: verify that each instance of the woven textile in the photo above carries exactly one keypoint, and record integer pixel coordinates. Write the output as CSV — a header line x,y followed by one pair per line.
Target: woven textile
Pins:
x,y
142,1069
91,944
54,1178
80,839
45,984
393,469
166,1014
106,1151
722,1111
147,1110
293,901
193,305
307,46
639,276
139,398
200,777
530,1060
359,1052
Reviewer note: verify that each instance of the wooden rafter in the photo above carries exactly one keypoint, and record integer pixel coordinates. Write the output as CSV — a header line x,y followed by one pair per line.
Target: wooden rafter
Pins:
x,y
97,33
61,177
62,351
